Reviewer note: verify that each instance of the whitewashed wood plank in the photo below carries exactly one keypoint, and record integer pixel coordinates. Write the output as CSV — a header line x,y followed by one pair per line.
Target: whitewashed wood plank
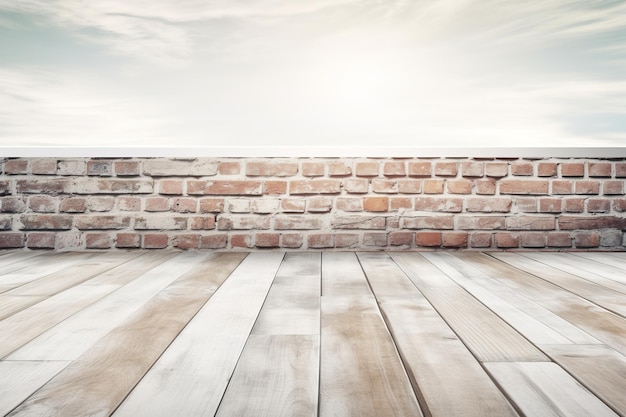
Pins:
x,y
292,305
72,337
448,379
383,275
603,258
276,376
420,271
342,275
18,380
102,377
23,259
192,374
361,373
131,269
13,303
601,369
544,389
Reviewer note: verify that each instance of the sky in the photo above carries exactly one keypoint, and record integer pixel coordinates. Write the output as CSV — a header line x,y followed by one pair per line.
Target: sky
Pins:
x,y
313,72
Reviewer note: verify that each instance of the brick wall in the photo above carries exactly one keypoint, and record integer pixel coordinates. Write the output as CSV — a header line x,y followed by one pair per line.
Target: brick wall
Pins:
x,y
313,203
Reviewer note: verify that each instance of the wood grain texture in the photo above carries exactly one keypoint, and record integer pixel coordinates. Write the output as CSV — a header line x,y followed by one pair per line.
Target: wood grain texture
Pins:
x,y
342,275
420,271
384,276
603,258
101,378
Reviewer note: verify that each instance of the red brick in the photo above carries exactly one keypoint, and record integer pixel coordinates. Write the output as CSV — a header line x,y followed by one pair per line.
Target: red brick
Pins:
x,y
319,204
186,241
46,222
315,186
524,187
393,222
446,169
613,187
129,203
587,239
228,168
394,169
572,169
428,239
619,205
41,240
349,204
550,205
472,169
128,240
274,187
427,222
5,187
559,240
562,187
377,239
611,238
73,205
531,223
271,169
160,222
241,241
12,240
43,203
6,222
72,167
213,241
409,186
599,169
587,187
620,170
293,205
454,239
526,204
295,222
45,166
12,205
98,241
100,204
366,169
450,205
506,240
485,187
43,186
170,167
346,240
598,205
211,205
546,169
401,238
218,187
99,167
384,186
291,240
496,169
69,241
171,187
533,240
312,169
267,240
356,186
339,169
480,222
459,186
573,205
243,222
420,169
397,203
591,222
127,168
522,168
184,205
358,222
16,166
202,223
432,186
97,222
157,204
489,205
320,240
155,240
376,203
480,240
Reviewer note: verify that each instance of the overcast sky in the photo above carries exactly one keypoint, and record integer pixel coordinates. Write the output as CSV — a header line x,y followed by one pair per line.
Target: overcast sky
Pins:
x,y
313,72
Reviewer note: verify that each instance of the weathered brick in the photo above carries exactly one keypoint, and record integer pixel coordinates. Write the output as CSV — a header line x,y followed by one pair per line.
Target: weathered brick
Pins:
x,y
72,167
356,186
73,205
562,187
110,186
69,241
599,169
366,169
339,169
228,168
211,205
419,169
450,205
358,222
293,205
274,187
315,186
573,205
382,186
128,240
533,240
184,205
5,187
496,169
592,222
239,205
265,205
16,166
619,205
165,167
572,169
485,187
598,205
506,240
129,203
241,241
525,204
46,222
41,240
459,186
98,241
524,187
620,170
394,169
6,222
427,222
44,166
559,240
267,240
160,222
376,203
531,223
43,186
587,187
271,169
157,204
397,203
489,205
611,238
202,223
547,169
480,222
244,222
377,239
292,240
401,238
100,204
432,186
319,205
550,205
213,241
587,239
43,203
349,204
454,239
186,241
127,169
285,222
171,187
320,241
219,187
12,205
409,186
472,169
312,169
12,240
446,169
613,187
480,240
522,168
428,239
99,167
98,222
346,240
155,240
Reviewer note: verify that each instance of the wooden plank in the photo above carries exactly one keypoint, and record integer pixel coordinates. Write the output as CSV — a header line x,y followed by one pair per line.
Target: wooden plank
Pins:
x,y
544,389
342,275
18,380
361,373
72,337
101,378
23,259
192,374
420,271
292,305
277,375
603,258
135,267
448,379
601,369
13,303
384,276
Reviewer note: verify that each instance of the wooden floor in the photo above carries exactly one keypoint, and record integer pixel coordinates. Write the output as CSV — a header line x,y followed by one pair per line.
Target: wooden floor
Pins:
x,y
312,334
